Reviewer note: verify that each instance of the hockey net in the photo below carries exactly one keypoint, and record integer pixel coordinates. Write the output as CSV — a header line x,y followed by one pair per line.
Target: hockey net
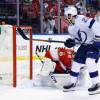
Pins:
x,y
15,55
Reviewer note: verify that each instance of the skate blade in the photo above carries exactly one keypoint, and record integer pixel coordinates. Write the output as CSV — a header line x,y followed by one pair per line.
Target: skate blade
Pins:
x,y
68,90
95,92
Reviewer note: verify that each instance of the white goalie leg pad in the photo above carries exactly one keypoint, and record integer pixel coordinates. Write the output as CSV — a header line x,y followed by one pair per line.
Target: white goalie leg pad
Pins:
x,y
48,81
48,67
37,80
44,81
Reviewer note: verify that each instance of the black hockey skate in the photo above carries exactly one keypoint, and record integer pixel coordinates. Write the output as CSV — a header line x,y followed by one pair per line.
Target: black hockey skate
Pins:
x,y
94,89
70,87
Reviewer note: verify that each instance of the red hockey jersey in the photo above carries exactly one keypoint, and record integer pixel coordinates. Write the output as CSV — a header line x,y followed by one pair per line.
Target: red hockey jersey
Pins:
x,y
63,58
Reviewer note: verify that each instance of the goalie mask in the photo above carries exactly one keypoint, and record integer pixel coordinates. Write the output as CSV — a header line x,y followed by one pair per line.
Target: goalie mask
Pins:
x,y
69,13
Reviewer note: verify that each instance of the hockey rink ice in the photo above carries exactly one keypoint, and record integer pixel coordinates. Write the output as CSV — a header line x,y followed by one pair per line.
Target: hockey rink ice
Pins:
x,y
29,92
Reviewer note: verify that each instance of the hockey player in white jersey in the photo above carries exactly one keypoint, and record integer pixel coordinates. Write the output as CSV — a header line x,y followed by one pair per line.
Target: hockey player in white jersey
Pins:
x,y
86,32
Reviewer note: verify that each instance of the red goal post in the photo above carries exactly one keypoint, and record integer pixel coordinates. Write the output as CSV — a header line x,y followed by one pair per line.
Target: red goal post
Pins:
x,y
11,47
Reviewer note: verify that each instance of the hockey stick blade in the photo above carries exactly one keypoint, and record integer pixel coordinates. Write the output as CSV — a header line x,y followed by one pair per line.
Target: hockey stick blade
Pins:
x,y
95,93
20,31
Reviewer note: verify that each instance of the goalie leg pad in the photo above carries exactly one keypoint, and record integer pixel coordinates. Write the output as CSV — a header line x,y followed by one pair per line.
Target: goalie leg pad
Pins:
x,y
48,67
40,80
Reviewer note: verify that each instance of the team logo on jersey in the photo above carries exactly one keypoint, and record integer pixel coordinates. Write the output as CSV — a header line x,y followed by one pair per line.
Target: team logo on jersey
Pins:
x,y
82,36
61,53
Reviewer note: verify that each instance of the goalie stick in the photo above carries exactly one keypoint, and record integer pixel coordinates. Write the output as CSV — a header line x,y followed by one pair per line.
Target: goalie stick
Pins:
x,y
39,58
51,74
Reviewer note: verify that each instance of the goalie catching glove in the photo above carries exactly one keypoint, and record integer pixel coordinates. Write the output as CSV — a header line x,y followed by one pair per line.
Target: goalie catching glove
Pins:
x,y
69,43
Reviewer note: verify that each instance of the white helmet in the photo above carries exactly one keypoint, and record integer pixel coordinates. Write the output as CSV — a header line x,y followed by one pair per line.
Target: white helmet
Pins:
x,y
70,10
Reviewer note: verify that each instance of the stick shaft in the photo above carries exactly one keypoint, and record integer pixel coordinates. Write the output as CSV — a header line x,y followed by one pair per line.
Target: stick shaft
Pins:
x,y
20,31
48,40
39,58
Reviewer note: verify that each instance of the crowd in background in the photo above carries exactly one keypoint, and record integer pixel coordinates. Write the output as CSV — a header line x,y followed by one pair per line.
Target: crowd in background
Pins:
x,y
30,13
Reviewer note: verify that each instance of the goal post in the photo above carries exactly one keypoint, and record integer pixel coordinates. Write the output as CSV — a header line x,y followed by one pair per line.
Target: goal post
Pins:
x,y
15,54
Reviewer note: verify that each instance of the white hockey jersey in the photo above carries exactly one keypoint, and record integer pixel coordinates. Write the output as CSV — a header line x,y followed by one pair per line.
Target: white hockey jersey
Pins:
x,y
85,30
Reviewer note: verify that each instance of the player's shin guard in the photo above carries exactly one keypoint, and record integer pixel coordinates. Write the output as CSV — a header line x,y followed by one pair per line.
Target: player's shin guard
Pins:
x,y
93,72
74,74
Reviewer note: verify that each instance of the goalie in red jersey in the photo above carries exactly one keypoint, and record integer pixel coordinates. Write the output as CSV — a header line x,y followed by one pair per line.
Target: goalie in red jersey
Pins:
x,y
56,61
63,59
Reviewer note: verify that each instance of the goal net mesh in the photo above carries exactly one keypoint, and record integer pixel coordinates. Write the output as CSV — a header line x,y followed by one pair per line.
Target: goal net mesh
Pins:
x,y
10,70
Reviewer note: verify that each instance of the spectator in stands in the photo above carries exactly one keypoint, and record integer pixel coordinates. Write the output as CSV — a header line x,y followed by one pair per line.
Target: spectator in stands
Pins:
x,y
64,25
69,2
94,4
80,7
48,24
54,9
35,8
3,22
97,17
88,12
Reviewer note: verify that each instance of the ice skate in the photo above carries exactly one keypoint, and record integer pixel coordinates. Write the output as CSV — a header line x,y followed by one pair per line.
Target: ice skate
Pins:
x,y
70,87
94,89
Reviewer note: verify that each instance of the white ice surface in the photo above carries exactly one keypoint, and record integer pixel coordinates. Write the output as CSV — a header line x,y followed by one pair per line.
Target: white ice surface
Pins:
x,y
28,92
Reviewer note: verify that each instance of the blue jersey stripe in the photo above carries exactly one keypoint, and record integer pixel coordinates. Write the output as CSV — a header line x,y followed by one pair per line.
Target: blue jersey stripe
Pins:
x,y
75,74
93,74
97,36
91,23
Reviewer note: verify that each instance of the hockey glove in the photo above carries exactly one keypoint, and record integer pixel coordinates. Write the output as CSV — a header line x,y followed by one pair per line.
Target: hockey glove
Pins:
x,y
68,71
69,43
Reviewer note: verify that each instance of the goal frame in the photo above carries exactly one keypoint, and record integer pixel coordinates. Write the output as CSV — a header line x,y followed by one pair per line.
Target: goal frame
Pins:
x,y
15,54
